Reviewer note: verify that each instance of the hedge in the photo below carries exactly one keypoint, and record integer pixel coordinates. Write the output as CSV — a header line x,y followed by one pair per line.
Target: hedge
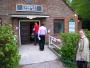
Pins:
x,y
9,54
68,49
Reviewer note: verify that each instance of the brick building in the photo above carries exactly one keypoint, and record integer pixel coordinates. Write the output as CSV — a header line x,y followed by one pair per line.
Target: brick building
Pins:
x,y
22,14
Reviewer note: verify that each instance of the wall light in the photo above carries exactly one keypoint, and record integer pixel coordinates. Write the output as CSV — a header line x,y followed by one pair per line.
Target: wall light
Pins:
x,y
31,17
75,14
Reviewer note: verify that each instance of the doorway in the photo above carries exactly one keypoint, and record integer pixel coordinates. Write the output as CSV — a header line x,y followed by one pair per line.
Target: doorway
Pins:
x,y
26,31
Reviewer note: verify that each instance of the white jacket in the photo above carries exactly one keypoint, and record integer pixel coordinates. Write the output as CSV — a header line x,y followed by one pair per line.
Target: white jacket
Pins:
x,y
83,50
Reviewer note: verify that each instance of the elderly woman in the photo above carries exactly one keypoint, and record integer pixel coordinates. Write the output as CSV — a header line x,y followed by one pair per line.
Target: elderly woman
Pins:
x,y
82,56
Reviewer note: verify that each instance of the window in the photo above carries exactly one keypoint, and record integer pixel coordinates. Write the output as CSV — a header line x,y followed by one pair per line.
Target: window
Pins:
x,y
27,7
58,25
39,8
28,1
18,7
71,25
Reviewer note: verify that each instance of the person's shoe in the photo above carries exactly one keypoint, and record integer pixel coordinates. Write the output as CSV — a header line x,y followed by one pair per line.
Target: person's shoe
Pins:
x,y
41,50
34,43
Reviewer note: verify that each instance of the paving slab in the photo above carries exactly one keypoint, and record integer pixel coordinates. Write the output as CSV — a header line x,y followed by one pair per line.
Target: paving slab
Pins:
x,y
31,54
49,64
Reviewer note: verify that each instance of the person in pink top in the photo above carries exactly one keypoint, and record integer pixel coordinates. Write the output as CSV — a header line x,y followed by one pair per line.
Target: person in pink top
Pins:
x,y
36,28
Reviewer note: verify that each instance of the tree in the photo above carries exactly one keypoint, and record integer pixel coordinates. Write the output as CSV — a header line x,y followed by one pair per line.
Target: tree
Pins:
x,y
82,8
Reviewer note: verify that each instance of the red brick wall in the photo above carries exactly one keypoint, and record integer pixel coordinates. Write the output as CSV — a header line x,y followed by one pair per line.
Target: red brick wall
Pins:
x,y
56,9
67,22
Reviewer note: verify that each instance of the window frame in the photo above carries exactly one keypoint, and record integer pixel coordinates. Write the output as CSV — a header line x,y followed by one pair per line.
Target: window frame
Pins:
x,y
61,23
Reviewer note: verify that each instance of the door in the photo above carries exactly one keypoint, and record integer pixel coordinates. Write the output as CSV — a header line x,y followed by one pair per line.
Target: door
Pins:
x,y
25,32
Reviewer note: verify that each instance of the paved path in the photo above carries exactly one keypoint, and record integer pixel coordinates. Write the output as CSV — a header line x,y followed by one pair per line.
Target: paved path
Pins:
x,y
49,64
31,57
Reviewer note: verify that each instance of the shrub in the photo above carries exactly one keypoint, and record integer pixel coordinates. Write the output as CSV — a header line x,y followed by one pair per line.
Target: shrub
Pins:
x,y
9,54
87,32
68,49
88,35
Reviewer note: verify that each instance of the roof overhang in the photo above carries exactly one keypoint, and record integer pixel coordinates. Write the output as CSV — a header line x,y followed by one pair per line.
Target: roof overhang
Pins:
x,y
29,16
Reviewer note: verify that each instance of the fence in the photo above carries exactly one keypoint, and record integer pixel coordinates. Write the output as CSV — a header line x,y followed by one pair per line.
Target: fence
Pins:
x,y
54,42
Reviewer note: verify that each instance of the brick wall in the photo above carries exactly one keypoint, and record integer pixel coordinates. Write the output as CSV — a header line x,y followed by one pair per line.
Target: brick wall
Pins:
x,y
67,22
56,9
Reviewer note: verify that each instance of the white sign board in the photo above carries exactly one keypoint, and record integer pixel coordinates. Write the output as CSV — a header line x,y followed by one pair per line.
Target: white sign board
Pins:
x,y
24,7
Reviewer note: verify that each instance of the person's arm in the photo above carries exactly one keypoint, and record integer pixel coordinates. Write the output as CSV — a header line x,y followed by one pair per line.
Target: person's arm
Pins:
x,y
86,49
81,45
34,28
39,34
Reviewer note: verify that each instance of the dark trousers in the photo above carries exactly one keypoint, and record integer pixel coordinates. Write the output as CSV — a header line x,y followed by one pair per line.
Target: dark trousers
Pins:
x,y
35,38
41,42
81,64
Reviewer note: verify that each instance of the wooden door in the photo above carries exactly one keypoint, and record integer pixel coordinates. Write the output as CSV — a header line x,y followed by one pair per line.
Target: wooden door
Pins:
x,y
25,32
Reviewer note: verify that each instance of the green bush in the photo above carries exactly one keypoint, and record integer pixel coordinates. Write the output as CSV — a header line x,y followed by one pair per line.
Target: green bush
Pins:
x,y
9,54
88,35
68,49
87,32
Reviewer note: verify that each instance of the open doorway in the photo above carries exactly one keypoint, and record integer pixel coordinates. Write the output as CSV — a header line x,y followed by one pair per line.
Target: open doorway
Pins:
x,y
26,31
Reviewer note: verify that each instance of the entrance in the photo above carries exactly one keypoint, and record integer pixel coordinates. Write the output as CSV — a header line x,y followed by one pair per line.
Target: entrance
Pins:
x,y
26,31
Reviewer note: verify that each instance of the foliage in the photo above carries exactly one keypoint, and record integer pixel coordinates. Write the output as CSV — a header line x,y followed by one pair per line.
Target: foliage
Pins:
x,y
9,55
82,8
68,50
88,35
